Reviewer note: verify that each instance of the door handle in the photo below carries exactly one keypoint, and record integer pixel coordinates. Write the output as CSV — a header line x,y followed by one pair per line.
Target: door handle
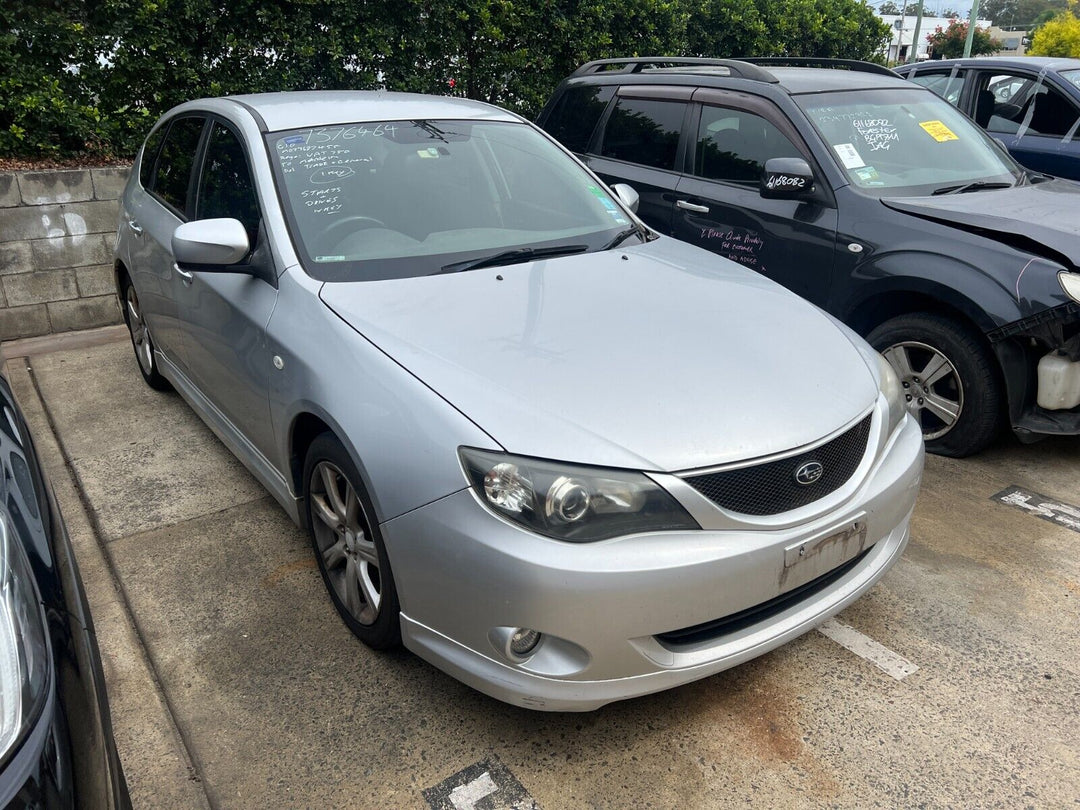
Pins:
x,y
184,274
136,228
686,205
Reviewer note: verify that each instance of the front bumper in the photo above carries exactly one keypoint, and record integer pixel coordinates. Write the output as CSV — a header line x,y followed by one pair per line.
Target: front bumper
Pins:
x,y
465,578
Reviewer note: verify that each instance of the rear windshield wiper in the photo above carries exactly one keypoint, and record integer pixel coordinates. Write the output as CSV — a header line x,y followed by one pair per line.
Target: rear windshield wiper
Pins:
x,y
515,256
978,185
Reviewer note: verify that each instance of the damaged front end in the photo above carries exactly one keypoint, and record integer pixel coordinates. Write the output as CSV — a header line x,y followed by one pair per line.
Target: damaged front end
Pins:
x,y
1040,358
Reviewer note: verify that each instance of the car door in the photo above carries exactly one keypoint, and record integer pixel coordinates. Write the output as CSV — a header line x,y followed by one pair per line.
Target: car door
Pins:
x,y
640,142
154,214
1036,121
719,206
224,315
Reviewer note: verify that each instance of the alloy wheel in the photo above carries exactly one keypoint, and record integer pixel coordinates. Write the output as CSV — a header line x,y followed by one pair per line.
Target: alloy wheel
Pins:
x,y
933,391
140,335
348,552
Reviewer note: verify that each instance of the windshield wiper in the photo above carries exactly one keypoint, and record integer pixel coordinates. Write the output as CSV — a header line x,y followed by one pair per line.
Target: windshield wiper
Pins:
x,y
515,256
978,185
622,236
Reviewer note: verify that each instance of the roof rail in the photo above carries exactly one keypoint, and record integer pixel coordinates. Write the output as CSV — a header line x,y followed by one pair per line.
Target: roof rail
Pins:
x,y
736,67
820,62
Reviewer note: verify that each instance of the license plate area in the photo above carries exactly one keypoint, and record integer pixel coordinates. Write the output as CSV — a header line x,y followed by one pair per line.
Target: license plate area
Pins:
x,y
818,555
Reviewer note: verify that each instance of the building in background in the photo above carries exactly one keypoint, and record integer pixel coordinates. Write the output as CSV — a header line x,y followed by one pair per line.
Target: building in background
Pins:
x,y
903,29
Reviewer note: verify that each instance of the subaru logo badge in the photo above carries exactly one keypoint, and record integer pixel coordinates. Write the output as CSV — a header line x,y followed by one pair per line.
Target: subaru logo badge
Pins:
x,y
809,473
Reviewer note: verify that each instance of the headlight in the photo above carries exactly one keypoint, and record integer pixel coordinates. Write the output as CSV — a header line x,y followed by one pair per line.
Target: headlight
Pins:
x,y
1070,283
568,502
893,391
23,650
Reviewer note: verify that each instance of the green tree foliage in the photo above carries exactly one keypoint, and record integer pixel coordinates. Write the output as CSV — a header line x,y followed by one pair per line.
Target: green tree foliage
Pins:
x,y
1018,14
826,28
90,76
1058,37
949,43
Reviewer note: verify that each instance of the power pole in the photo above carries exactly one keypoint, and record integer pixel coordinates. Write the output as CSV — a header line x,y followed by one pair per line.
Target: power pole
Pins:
x,y
900,39
971,27
915,37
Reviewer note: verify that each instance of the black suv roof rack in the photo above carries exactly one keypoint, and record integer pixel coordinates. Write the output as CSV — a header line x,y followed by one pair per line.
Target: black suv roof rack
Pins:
x,y
736,67
820,62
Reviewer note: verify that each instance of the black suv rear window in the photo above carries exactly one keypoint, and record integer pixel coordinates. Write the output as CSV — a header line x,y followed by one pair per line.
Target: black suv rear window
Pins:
x,y
576,113
644,131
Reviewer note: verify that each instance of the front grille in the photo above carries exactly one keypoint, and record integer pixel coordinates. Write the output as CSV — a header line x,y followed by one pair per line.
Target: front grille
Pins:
x,y
770,488
734,622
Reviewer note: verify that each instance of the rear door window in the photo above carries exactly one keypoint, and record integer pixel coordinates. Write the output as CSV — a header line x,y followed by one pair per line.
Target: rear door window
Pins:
x,y
177,158
576,114
644,131
733,145
149,155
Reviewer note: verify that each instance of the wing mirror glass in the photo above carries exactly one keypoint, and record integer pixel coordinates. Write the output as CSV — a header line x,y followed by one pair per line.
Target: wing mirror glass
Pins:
x,y
786,178
207,242
627,195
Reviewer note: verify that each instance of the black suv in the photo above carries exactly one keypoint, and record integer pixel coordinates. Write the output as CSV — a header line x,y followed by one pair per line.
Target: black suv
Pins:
x,y
871,197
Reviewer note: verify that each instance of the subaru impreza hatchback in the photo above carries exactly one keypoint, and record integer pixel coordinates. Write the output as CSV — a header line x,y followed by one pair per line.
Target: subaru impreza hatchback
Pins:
x,y
564,459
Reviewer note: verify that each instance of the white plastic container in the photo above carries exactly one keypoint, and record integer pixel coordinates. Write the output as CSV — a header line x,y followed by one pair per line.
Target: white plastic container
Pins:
x,y
1059,382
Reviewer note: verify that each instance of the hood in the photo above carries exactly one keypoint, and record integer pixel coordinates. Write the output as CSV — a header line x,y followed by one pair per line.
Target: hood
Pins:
x,y
660,357
1045,213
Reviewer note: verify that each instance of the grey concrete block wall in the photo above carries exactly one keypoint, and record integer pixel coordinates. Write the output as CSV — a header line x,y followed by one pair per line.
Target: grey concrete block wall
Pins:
x,y
56,235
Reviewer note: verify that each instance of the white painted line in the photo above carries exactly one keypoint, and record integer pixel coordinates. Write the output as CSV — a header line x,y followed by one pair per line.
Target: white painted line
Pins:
x,y
466,797
883,658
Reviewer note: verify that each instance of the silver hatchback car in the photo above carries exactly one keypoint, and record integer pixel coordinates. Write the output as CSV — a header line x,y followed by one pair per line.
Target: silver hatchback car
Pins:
x,y
561,458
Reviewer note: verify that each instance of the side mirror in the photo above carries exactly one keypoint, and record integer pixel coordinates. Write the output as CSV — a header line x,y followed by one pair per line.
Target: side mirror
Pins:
x,y
627,195
210,242
786,179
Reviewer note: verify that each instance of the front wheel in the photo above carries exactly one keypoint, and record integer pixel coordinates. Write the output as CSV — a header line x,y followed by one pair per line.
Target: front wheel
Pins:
x,y
949,379
348,546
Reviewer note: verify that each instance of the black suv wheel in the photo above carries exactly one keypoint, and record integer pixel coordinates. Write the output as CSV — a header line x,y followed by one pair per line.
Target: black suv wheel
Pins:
x,y
949,378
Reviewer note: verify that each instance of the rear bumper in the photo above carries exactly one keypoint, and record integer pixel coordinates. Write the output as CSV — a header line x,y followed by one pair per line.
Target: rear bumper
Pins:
x,y
466,577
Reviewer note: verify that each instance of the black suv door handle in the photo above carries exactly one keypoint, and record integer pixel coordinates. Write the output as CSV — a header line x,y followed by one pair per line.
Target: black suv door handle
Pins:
x,y
686,205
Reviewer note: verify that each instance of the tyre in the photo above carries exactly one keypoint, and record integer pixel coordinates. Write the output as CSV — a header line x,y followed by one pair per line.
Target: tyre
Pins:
x,y
950,380
140,339
347,544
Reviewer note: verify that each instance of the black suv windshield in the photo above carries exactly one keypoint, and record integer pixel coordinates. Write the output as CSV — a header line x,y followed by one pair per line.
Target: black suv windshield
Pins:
x,y
392,199
899,142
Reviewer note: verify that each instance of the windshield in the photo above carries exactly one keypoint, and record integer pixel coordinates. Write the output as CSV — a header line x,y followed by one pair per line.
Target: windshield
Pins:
x,y
1071,76
895,142
393,199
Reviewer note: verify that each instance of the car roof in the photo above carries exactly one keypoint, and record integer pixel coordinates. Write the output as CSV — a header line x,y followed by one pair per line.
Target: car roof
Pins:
x,y
292,110
1050,63
760,74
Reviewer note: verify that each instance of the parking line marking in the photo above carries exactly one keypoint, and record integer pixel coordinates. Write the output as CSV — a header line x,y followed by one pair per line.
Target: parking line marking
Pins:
x,y
892,664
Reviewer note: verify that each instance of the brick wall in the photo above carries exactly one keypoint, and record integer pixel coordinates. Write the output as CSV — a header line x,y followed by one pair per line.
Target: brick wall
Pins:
x,y
56,237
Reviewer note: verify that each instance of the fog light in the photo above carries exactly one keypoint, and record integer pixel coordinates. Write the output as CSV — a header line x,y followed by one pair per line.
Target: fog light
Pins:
x,y
523,641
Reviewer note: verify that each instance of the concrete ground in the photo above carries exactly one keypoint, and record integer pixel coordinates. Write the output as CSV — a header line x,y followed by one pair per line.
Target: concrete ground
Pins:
x,y
234,684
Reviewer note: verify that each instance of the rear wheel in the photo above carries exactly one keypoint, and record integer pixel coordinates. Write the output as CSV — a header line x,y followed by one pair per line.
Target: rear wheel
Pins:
x,y
949,377
347,545
141,340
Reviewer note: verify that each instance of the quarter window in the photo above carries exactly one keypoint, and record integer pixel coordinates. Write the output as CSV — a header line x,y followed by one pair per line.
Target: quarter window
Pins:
x,y
733,145
176,161
946,85
226,188
576,114
644,131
